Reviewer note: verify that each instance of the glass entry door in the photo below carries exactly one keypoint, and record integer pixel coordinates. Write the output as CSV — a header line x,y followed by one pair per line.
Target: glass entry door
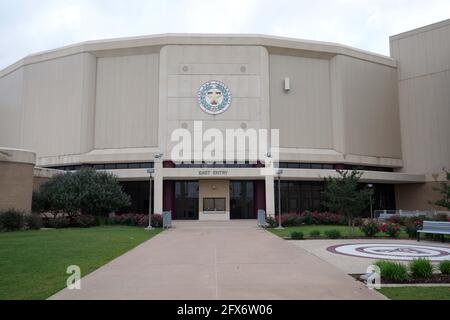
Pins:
x,y
186,200
241,200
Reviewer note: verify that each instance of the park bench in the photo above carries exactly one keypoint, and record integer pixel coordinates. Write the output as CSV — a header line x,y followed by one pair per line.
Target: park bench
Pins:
x,y
434,227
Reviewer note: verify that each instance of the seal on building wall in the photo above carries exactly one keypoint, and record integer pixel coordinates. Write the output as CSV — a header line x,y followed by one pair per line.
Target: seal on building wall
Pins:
x,y
214,97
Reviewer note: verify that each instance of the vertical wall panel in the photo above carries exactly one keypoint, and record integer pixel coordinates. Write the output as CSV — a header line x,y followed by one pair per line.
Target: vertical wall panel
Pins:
x,y
54,106
424,91
370,105
11,107
302,114
127,102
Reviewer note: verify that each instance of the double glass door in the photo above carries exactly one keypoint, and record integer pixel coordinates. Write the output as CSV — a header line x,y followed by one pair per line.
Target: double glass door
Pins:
x,y
242,200
186,200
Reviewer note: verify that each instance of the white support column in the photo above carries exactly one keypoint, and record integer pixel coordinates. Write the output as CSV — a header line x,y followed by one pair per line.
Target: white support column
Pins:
x,y
158,187
270,196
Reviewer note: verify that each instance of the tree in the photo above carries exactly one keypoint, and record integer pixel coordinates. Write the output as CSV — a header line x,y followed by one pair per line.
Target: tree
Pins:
x,y
444,191
345,195
51,196
86,191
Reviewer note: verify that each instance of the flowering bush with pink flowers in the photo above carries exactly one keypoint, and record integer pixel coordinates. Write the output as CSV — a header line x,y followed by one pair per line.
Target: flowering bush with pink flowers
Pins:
x,y
135,219
308,218
370,227
412,225
392,229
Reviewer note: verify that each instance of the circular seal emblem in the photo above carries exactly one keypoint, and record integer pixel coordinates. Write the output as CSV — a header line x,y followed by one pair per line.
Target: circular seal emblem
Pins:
x,y
392,251
214,97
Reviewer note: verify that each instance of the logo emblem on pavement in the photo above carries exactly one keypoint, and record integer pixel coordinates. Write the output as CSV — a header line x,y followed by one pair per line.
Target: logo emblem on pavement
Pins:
x,y
392,251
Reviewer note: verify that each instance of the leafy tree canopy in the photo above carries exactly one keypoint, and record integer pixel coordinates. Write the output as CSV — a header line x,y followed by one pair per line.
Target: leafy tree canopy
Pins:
x,y
444,191
345,195
86,191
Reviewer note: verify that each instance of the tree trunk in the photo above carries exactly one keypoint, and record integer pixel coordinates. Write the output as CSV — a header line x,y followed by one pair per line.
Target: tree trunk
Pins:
x,y
351,226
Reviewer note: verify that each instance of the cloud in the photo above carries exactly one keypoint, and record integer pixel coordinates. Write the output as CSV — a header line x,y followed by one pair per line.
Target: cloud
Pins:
x,y
31,26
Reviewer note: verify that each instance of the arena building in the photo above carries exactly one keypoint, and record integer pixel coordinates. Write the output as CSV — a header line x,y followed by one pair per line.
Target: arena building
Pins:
x,y
115,104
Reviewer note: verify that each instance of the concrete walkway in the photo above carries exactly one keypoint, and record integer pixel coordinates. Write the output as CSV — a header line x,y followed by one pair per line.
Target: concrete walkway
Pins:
x,y
218,260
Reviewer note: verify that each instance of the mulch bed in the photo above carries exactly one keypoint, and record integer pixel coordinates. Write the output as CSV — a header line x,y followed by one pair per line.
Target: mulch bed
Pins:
x,y
435,279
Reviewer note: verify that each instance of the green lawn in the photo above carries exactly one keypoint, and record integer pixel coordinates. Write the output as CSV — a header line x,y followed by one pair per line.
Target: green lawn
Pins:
x,y
33,263
345,231
417,293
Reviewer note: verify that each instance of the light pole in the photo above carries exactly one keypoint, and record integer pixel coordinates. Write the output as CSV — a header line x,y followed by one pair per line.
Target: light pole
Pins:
x,y
279,172
150,171
371,191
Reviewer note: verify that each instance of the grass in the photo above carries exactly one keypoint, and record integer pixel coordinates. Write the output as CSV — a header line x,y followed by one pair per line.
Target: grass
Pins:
x,y
417,293
345,231
33,264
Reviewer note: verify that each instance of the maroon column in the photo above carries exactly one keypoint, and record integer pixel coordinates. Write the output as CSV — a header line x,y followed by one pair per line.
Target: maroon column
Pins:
x,y
259,187
168,164
168,195
168,190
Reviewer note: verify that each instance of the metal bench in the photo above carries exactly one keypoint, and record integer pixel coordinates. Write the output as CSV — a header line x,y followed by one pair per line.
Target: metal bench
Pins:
x,y
434,227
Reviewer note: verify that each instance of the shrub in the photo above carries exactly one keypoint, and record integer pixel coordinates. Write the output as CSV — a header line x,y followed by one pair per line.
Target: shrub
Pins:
x,y
441,217
411,226
421,268
431,236
392,229
333,234
127,219
58,223
444,267
86,191
157,221
11,220
358,221
393,271
314,234
100,220
326,218
271,222
308,218
136,219
297,235
84,221
291,220
397,219
370,227
33,221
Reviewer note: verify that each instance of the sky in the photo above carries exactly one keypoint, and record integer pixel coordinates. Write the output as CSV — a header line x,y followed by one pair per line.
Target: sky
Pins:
x,y
30,26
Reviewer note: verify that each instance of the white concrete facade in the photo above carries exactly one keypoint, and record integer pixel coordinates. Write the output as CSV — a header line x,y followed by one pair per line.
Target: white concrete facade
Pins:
x,y
109,96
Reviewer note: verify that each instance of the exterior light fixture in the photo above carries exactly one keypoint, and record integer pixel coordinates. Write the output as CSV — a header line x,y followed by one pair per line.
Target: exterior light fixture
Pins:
x,y
287,84
150,171
370,186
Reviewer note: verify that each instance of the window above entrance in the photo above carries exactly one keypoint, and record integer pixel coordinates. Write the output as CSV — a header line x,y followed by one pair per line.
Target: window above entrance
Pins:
x,y
214,204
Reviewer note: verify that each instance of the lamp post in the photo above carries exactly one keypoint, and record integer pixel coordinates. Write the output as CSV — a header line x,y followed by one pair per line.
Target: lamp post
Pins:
x,y
371,191
279,172
150,171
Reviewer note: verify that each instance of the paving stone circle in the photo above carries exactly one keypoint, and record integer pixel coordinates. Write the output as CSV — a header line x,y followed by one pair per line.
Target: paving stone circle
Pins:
x,y
392,251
